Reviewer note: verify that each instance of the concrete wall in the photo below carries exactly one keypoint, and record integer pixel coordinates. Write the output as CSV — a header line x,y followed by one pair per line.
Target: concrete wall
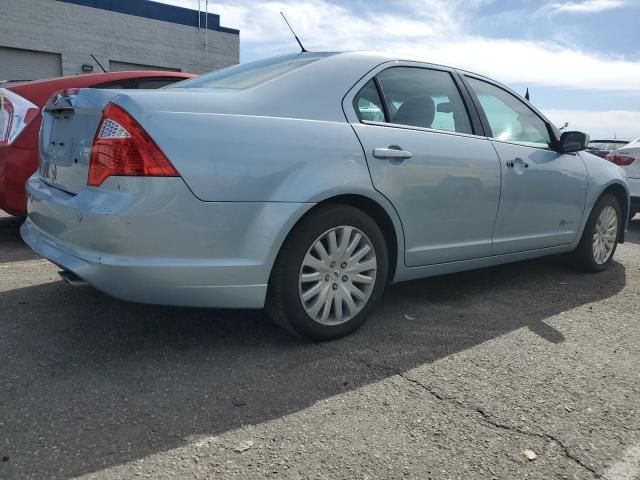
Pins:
x,y
77,31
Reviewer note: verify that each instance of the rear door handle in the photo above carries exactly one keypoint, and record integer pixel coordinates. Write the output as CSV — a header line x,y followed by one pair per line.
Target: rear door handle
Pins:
x,y
392,153
518,162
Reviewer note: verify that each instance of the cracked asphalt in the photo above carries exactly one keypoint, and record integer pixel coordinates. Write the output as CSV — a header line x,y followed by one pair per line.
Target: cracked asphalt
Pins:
x,y
455,377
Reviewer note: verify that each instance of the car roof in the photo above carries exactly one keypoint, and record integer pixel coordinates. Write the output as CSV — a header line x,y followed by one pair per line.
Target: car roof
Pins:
x,y
378,58
39,91
91,78
382,57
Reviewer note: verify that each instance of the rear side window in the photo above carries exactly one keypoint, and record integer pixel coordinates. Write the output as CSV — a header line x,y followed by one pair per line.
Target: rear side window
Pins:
x,y
116,85
154,83
247,75
151,83
425,98
510,119
368,104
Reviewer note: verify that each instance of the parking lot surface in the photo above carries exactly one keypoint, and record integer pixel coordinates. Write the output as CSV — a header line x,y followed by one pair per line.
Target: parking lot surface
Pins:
x,y
464,376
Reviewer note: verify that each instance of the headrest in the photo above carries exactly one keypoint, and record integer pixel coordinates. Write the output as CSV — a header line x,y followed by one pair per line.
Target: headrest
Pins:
x,y
417,112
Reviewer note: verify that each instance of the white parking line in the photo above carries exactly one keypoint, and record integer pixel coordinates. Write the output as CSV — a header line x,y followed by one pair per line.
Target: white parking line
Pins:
x,y
627,468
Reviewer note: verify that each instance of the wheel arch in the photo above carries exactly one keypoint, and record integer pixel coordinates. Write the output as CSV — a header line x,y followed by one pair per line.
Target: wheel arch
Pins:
x,y
622,195
620,192
384,215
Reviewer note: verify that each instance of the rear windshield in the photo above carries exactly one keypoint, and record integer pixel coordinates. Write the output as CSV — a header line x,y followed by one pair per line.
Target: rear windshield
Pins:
x,y
247,75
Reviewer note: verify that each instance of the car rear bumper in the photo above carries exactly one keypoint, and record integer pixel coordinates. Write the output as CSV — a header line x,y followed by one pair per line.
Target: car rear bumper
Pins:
x,y
151,241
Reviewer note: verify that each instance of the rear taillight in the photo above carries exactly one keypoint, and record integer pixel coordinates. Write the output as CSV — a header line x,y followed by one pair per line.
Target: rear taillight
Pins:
x,y
16,113
622,160
121,147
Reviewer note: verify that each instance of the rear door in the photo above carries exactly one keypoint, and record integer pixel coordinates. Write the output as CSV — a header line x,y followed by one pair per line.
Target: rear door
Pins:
x,y
543,191
425,157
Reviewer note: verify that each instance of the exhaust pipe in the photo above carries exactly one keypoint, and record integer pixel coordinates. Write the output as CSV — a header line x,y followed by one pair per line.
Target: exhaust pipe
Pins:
x,y
72,279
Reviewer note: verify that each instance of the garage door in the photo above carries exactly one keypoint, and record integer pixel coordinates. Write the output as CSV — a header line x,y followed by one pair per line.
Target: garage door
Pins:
x,y
123,66
17,64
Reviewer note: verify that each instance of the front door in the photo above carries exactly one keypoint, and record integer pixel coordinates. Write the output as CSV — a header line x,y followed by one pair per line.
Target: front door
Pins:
x,y
443,181
543,191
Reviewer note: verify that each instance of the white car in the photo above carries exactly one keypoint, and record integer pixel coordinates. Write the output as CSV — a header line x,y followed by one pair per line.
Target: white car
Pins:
x,y
628,157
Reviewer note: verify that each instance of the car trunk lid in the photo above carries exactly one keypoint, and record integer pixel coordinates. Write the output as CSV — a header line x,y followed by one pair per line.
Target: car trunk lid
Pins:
x,y
69,123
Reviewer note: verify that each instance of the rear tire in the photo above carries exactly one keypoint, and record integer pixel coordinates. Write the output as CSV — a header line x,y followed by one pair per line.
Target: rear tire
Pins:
x,y
600,237
329,275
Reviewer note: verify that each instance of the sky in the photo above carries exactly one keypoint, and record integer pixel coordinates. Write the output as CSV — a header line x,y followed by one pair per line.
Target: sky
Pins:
x,y
580,59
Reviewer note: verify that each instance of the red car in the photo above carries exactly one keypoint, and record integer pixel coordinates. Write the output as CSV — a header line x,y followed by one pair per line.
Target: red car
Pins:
x,y
20,119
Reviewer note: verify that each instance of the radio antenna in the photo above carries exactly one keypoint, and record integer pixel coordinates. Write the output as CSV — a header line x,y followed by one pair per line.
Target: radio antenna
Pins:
x,y
304,50
99,64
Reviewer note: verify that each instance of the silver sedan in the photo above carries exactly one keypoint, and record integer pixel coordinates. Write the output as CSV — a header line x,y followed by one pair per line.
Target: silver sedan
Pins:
x,y
306,183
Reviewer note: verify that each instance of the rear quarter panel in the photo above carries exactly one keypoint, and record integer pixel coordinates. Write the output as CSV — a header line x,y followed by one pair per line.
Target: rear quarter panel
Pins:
x,y
225,157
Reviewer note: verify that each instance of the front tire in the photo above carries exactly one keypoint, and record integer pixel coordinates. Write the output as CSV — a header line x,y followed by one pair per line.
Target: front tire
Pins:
x,y
600,237
330,273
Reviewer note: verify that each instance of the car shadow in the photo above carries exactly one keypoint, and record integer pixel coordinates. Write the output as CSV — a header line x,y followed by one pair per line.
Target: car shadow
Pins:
x,y
89,382
633,231
12,248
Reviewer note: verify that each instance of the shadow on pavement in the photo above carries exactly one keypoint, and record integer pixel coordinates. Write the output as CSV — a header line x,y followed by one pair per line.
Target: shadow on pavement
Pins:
x,y
633,232
88,382
12,249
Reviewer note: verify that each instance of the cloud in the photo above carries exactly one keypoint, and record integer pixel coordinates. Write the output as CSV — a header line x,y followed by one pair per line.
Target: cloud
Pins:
x,y
622,123
585,6
438,34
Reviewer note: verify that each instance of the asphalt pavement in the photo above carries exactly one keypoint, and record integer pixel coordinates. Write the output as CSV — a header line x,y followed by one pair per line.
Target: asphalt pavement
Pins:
x,y
529,370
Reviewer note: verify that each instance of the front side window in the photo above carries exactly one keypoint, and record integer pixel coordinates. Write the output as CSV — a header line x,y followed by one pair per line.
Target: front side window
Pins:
x,y
510,119
425,98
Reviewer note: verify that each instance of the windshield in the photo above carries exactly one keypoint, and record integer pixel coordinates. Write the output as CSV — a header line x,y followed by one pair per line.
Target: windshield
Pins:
x,y
247,75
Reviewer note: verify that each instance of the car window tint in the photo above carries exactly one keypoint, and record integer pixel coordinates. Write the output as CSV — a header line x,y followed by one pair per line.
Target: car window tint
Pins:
x,y
425,98
154,83
119,84
368,104
510,119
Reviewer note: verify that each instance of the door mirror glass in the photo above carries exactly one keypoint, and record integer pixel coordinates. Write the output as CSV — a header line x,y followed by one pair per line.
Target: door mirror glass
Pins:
x,y
571,142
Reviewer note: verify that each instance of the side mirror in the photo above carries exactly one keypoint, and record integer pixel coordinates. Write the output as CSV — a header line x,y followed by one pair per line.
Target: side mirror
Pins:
x,y
571,142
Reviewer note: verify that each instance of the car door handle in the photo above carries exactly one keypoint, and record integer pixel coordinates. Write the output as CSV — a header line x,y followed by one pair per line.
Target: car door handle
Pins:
x,y
392,153
517,162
